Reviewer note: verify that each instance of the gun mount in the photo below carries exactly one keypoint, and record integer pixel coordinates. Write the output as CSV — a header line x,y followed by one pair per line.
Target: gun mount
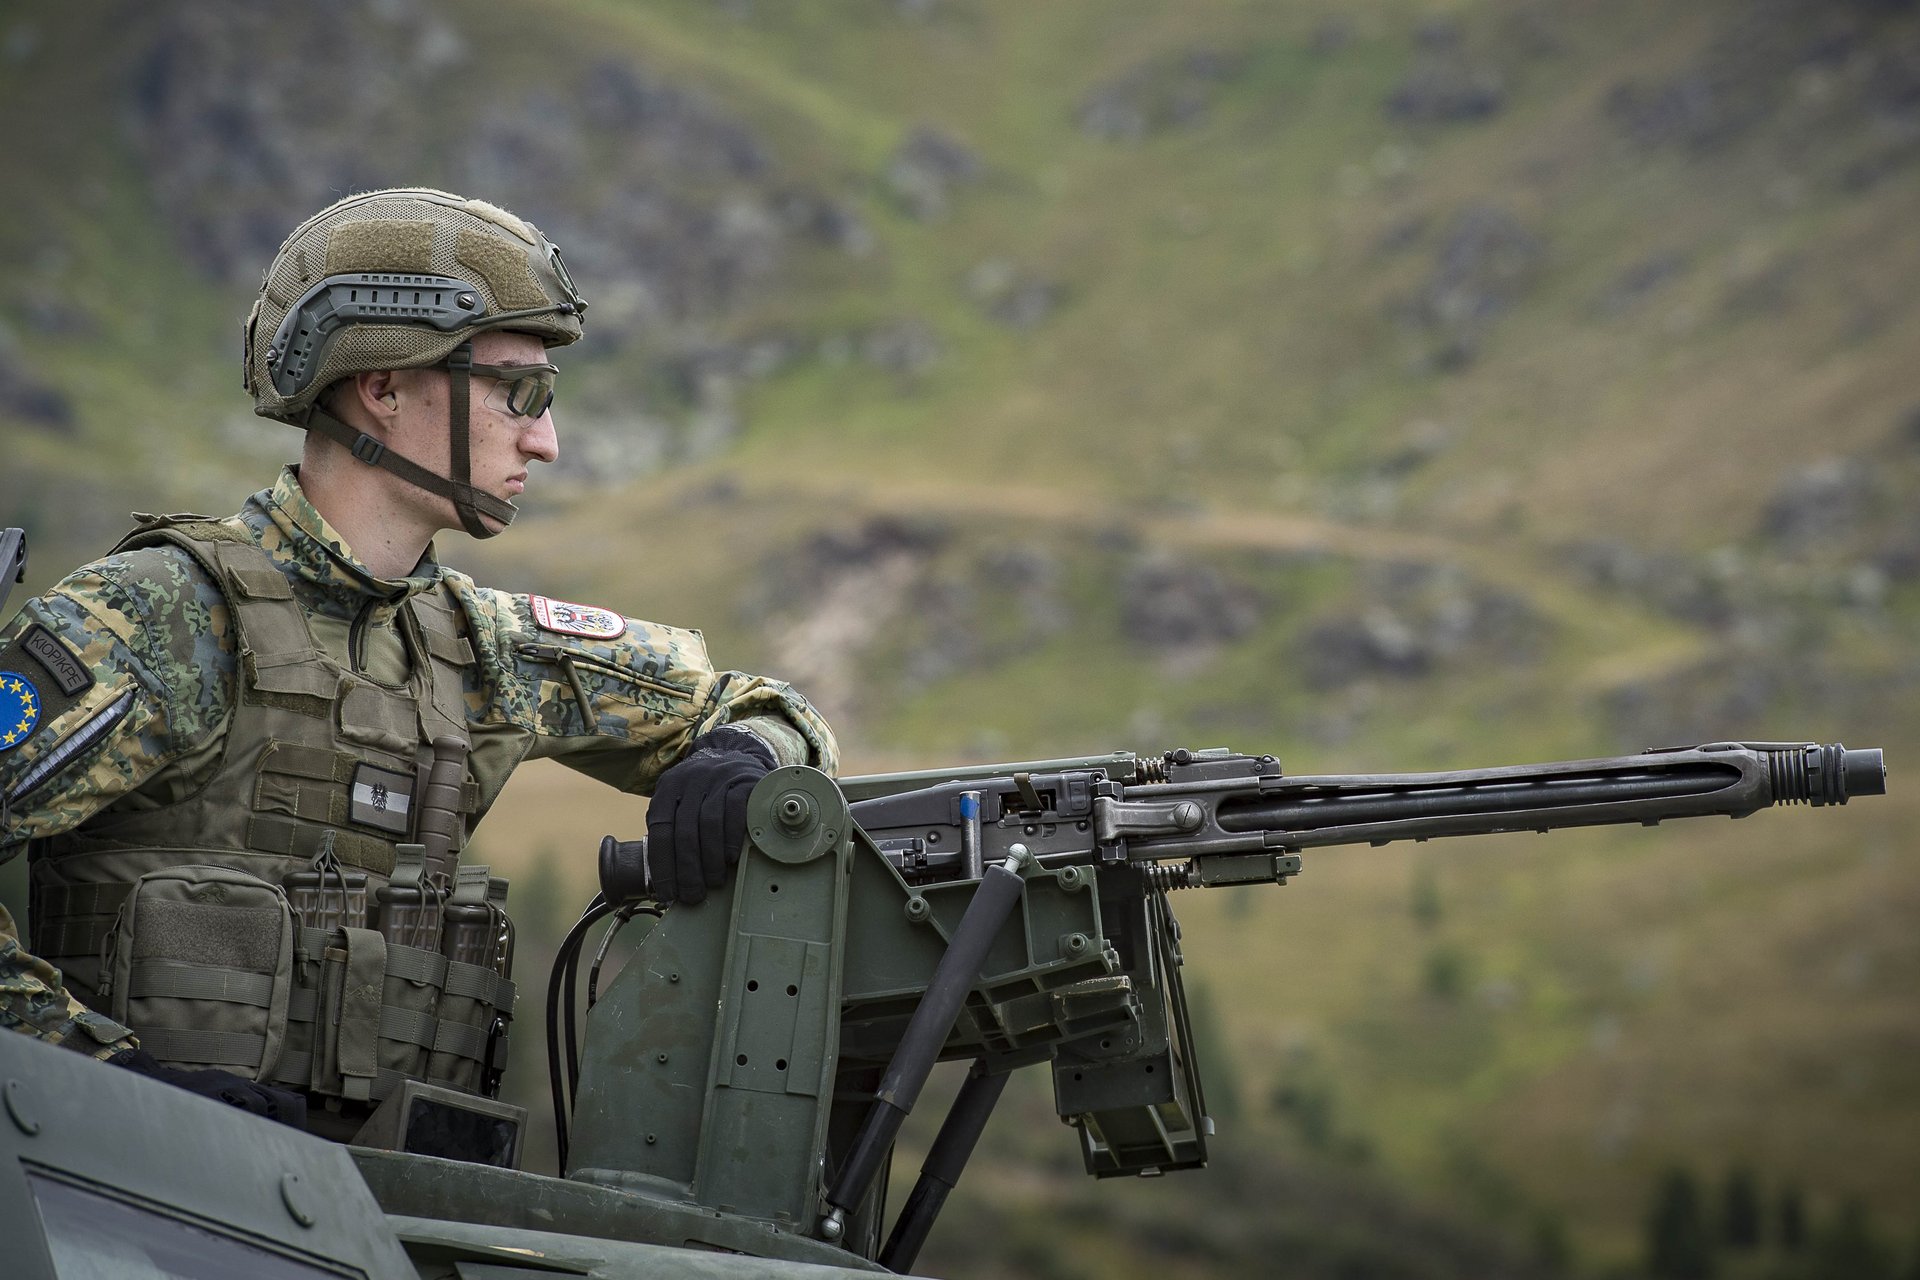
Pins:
x,y
757,1053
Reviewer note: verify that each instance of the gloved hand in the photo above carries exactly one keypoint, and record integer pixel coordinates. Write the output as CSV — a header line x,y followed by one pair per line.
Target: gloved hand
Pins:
x,y
222,1086
698,818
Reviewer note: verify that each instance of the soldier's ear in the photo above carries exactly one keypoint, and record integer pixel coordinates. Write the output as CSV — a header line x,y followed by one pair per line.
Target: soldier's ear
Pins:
x,y
383,387
376,394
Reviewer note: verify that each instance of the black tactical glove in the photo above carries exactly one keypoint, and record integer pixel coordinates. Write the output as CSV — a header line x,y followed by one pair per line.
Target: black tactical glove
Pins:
x,y
222,1086
698,818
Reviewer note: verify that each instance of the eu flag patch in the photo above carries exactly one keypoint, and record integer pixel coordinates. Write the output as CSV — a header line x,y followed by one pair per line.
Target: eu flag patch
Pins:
x,y
19,709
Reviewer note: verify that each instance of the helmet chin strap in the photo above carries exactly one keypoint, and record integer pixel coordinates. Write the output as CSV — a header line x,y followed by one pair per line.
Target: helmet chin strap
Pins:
x,y
469,503
465,496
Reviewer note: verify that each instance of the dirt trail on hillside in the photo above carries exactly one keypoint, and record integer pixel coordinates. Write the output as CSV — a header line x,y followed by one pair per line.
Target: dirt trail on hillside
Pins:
x,y
1264,530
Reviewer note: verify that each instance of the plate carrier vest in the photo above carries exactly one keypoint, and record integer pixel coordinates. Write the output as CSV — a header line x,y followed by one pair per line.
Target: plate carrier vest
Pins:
x,y
301,919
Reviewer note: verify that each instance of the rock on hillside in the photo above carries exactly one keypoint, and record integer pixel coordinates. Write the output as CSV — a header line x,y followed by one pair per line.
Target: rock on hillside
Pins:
x,y
669,208
1796,75
24,398
1486,262
1416,620
1165,92
1447,83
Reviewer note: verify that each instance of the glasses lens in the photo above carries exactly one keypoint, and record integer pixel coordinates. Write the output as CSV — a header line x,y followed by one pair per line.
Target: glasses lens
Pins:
x,y
529,397
524,392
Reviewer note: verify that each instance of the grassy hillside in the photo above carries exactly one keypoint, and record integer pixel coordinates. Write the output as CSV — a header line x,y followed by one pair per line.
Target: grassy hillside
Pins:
x,y
1385,385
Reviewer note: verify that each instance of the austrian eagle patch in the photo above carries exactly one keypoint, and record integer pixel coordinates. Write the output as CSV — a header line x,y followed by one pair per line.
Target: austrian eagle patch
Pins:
x,y
585,620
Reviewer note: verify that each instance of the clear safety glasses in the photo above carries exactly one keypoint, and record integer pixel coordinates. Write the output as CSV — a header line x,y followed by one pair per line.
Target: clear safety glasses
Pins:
x,y
524,390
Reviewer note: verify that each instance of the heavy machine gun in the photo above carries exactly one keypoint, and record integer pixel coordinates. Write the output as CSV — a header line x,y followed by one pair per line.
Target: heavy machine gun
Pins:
x,y
755,1056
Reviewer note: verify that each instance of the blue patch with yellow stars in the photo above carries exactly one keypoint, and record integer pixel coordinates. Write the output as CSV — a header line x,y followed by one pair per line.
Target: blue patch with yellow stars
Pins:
x,y
19,709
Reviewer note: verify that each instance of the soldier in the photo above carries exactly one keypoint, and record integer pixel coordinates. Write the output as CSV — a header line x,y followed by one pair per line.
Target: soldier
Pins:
x,y
244,753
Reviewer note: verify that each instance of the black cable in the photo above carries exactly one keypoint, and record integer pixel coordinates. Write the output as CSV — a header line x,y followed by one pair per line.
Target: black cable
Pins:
x,y
620,919
569,1010
569,947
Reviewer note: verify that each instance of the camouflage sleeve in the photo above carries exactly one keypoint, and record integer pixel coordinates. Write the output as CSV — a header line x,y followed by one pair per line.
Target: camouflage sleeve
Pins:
x,y
35,1002
121,669
617,698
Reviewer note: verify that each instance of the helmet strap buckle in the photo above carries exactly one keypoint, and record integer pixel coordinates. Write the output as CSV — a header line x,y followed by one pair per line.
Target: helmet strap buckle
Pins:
x,y
368,450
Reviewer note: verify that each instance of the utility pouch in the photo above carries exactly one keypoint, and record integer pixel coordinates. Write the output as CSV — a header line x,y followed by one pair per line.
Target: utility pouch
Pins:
x,y
347,1028
407,908
200,964
477,1000
325,896
364,1016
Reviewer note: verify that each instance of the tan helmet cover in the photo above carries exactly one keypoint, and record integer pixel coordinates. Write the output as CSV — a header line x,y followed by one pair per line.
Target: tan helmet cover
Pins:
x,y
516,273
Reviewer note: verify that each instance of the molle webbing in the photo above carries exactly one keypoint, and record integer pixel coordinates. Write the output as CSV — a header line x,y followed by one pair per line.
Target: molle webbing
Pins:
x,y
448,646
316,764
73,919
301,783
155,979
292,840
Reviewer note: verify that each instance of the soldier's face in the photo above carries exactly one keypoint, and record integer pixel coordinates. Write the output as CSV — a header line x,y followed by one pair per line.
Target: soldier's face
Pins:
x,y
502,445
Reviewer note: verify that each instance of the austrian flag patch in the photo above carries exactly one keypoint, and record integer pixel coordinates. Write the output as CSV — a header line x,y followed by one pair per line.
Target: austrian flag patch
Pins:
x,y
585,620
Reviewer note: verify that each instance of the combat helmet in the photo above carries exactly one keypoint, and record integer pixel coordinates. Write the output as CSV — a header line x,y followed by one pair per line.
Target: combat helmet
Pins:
x,y
402,279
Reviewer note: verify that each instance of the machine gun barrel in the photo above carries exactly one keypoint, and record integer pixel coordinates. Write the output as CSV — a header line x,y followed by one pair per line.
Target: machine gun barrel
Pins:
x,y
1734,779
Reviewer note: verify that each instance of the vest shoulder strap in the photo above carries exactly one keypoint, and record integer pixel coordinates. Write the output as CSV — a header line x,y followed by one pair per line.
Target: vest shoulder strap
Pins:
x,y
195,535
277,650
450,656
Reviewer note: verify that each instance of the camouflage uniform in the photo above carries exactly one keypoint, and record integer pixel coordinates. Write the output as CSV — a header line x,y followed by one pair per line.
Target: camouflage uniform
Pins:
x,y
34,1000
134,675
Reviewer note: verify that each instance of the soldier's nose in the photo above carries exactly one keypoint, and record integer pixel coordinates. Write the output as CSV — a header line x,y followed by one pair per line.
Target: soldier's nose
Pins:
x,y
540,440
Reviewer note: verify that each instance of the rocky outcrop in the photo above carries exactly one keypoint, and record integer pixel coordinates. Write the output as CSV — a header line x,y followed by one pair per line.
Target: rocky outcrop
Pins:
x,y
1486,262
904,348
1447,83
1010,296
823,606
1170,92
1639,281
1415,620
23,398
669,208
1821,503
927,170
1797,75
1176,606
